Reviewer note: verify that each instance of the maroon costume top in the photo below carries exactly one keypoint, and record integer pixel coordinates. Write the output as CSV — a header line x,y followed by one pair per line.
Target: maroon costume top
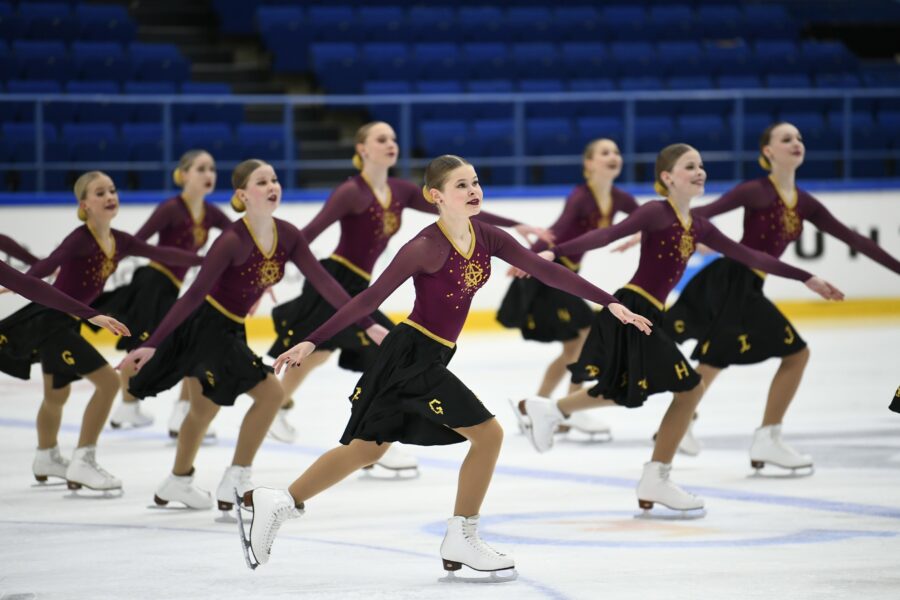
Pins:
x,y
12,247
367,224
178,228
666,245
237,271
583,213
446,278
770,224
43,293
85,265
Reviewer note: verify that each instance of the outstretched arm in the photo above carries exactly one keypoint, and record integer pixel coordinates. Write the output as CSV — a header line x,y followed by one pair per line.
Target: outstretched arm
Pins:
x,y
647,217
12,247
163,254
735,198
71,247
161,218
343,201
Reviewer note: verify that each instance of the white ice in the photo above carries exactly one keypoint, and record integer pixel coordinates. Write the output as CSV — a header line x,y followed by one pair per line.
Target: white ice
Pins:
x,y
568,516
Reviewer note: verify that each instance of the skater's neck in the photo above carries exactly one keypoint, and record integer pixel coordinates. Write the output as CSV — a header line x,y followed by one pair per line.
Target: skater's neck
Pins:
x,y
785,179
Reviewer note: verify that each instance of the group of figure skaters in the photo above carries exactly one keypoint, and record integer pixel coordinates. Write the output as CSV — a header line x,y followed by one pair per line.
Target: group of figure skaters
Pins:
x,y
196,337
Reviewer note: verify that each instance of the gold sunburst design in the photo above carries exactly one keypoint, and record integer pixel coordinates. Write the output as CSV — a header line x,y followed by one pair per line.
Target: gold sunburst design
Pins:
x,y
106,268
790,221
473,274
269,273
200,233
389,223
686,245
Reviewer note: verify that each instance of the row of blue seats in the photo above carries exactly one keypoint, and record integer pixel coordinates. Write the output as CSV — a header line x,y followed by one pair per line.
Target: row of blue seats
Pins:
x,y
62,112
92,60
447,60
447,21
59,21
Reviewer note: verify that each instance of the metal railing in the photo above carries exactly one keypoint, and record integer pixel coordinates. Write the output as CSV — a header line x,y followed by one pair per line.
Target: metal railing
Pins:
x,y
629,101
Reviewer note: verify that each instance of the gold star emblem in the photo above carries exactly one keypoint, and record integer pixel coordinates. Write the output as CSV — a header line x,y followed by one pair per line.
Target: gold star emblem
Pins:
x,y
790,221
269,273
106,268
686,245
199,236
473,274
389,224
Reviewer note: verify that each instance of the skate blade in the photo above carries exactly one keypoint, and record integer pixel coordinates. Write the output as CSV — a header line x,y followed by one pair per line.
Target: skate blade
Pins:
x,y
780,472
660,512
595,437
252,563
381,473
503,576
49,484
522,420
171,508
86,493
126,426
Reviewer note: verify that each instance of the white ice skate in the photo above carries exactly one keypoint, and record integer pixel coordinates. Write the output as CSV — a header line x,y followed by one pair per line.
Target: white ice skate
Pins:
x,y
179,412
129,413
463,546
768,448
49,463
270,509
655,487
395,461
581,421
235,478
545,417
84,471
281,428
181,488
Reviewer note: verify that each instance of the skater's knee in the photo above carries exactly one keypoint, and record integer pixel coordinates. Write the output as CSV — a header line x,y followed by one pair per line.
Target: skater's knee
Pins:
x,y
799,358
369,452
489,433
203,409
106,380
56,398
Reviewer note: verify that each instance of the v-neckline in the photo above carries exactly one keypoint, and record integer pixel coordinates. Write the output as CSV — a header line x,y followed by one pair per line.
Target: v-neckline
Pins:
x,y
605,214
690,220
266,255
781,197
467,255
196,220
390,195
112,251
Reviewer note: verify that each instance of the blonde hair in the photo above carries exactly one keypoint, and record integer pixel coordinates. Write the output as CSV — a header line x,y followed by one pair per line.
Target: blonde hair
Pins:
x,y
80,188
239,178
438,170
764,140
360,138
184,164
665,160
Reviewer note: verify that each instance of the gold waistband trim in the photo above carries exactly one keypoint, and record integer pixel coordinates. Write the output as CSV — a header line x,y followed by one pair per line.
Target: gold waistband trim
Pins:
x,y
215,304
642,292
762,274
341,260
167,273
433,336
568,263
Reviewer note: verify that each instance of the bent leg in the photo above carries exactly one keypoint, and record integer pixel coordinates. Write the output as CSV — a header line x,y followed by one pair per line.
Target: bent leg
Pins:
x,y
675,423
294,376
267,396
333,466
49,415
202,412
106,386
784,386
478,467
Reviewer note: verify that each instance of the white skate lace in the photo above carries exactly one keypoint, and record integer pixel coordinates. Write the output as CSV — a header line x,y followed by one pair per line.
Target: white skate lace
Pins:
x,y
476,542
91,458
278,517
56,458
664,475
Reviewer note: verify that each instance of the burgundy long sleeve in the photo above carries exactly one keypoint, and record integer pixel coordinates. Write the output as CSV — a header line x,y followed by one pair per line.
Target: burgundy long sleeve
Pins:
x,y
14,249
43,293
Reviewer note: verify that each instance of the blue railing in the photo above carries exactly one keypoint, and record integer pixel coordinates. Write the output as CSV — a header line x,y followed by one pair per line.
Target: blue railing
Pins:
x,y
630,102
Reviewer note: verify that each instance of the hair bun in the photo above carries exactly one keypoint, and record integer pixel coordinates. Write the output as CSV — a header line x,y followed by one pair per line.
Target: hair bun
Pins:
x,y
238,204
660,189
427,194
764,162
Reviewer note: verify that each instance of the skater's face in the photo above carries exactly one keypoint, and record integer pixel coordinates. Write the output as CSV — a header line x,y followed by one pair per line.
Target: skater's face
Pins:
x,y
263,191
380,148
605,160
687,177
200,176
101,200
785,147
461,193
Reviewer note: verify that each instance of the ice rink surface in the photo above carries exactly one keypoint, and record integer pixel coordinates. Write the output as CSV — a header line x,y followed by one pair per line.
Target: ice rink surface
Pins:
x,y
567,516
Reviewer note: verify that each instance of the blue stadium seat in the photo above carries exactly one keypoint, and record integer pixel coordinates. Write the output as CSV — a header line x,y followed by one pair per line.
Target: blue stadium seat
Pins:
x,y
212,111
588,129
158,62
338,21
671,22
754,125
148,112
108,22
287,34
103,61
838,80
826,57
679,57
440,111
235,16
718,21
549,136
484,60
585,59
592,85
261,141
477,23
94,112
690,82
389,113
777,56
337,66
535,60
528,23
634,59
46,21
384,60
889,122
443,137
215,138
624,22
576,23
144,143
431,23
653,133
488,110
54,112
640,83
704,132
494,136
9,21
748,82
730,59
436,60
768,21
382,23
42,60
788,80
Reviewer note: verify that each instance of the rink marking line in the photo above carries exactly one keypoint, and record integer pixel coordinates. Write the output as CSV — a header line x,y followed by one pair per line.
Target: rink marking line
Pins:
x,y
854,508
542,588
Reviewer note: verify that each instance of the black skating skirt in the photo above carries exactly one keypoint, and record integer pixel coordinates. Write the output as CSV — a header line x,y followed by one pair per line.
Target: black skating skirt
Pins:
x,y
209,346
39,334
724,308
895,403
141,304
409,396
627,365
296,319
543,313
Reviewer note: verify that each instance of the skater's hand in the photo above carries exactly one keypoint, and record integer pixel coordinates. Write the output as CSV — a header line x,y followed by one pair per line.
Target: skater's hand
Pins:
x,y
824,289
632,241
110,324
3,290
136,359
294,356
539,232
376,333
629,318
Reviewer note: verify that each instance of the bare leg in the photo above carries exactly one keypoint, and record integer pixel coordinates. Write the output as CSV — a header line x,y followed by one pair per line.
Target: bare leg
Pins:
x,y
267,396
675,423
203,411
294,376
784,386
106,386
478,467
581,400
124,375
708,373
185,393
333,466
49,415
556,371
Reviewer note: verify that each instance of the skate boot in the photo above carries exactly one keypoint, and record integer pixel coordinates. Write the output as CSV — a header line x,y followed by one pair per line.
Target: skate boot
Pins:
x,y
463,546
397,462
281,429
235,478
545,417
179,411
588,424
181,488
518,408
84,471
49,463
129,413
655,487
270,509
769,448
